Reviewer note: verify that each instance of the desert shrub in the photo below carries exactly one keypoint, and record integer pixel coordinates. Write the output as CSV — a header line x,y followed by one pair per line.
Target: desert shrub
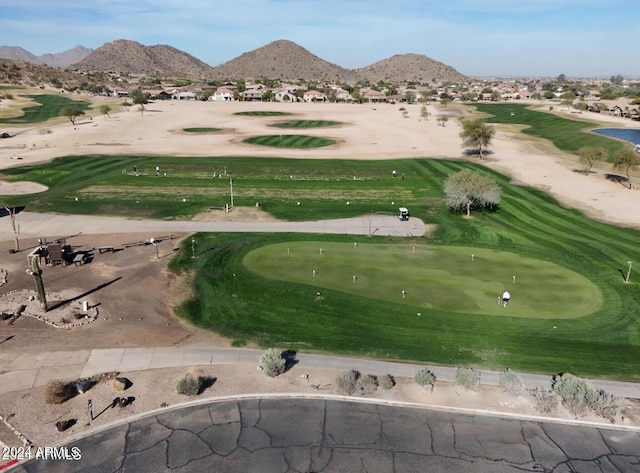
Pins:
x,y
347,381
425,377
511,383
386,381
272,363
545,400
605,404
58,392
574,393
189,385
468,378
367,384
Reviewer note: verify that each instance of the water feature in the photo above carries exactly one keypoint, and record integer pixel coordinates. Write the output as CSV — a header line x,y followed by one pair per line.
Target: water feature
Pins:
x,y
628,134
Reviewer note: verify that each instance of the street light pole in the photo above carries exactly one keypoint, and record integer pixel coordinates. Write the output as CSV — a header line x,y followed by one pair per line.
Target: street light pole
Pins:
x,y
231,185
630,263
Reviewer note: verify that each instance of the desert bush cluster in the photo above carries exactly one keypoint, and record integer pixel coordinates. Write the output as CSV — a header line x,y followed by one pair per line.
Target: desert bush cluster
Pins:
x,y
468,378
353,382
579,398
425,377
511,383
190,385
272,363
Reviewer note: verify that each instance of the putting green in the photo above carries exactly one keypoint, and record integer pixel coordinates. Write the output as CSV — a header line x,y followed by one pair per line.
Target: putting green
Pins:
x,y
440,277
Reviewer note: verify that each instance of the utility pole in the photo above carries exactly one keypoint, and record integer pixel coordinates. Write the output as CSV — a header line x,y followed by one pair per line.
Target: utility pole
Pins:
x,y
231,185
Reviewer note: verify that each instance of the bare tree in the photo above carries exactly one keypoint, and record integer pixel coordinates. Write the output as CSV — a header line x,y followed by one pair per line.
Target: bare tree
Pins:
x,y
466,189
590,155
15,227
627,159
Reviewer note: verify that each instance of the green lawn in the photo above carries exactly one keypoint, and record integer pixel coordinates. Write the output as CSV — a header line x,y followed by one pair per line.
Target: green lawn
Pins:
x,y
306,124
49,106
527,227
263,114
290,141
450,278
567,135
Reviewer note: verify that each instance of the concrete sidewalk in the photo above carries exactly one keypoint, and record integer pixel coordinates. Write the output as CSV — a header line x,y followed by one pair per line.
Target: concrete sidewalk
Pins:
x,y
43,225
18,371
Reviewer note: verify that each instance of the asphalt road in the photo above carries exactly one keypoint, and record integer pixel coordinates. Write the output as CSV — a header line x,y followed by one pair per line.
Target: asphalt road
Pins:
x,y
297,435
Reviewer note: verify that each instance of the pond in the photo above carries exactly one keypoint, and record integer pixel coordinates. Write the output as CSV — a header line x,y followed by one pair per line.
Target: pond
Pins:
x,y
628,134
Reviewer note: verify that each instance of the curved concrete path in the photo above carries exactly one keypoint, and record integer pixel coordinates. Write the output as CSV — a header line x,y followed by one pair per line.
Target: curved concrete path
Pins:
x,y
321,435
41,225
19,371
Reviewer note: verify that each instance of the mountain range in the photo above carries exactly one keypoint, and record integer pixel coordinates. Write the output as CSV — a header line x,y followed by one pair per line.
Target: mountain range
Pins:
x,y
282,59
60,60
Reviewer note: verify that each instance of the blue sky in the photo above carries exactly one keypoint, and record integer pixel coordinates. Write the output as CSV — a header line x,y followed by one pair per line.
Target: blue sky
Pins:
x,y
477,37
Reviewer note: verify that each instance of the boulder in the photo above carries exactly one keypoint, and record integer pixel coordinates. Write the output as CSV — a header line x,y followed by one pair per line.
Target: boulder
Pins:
x,y
120,384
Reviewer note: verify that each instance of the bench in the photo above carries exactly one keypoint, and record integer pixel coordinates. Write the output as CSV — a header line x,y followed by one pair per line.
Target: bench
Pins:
x,y
78,259
103,249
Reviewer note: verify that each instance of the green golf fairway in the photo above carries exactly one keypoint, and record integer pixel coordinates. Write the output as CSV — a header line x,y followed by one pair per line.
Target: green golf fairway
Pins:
x,y
433,277
290,141
306,124
48,106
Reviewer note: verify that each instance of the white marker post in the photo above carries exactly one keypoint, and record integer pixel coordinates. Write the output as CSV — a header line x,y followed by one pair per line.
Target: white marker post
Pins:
x,y
514,280
314,273
472,257
404,293
354,279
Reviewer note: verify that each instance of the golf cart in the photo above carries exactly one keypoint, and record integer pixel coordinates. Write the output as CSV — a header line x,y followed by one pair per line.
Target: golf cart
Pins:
x,y
403,213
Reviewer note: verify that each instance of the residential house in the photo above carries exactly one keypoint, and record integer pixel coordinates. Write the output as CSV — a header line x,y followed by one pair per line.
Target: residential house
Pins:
x,y
222,95
284,95
254,94
314,96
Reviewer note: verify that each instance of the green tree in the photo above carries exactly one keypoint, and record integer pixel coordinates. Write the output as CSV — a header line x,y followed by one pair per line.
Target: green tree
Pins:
x,y
442,120
72,113
410,96
105,109
477,134
139,98
627,159
590,155
424,111
617,79
467,189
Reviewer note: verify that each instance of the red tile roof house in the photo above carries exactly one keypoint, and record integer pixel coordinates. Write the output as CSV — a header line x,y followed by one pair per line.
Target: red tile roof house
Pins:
x,y
373,95
314,96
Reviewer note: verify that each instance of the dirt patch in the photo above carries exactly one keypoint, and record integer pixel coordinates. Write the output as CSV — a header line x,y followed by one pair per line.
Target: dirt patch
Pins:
x,y
237,214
